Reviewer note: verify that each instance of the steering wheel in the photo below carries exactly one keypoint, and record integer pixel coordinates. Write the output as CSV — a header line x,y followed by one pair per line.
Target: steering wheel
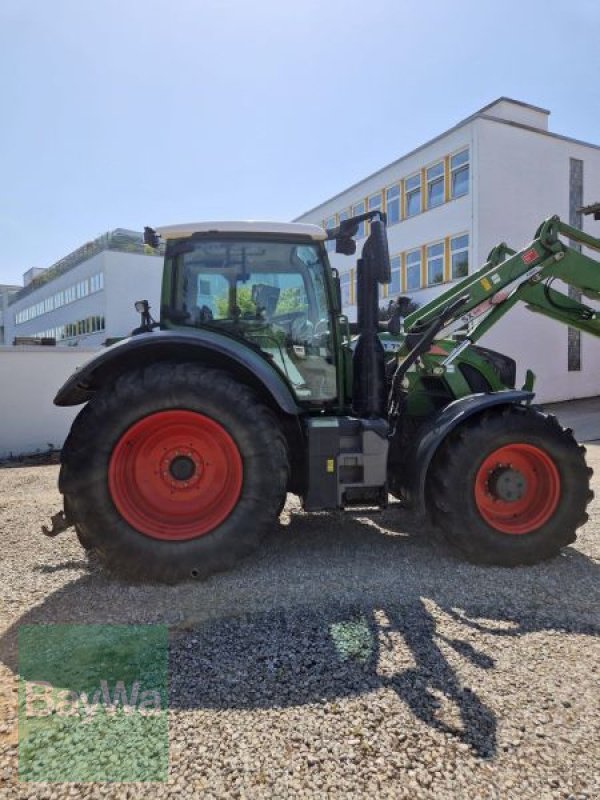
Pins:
x,y
287,317
321,327
302,330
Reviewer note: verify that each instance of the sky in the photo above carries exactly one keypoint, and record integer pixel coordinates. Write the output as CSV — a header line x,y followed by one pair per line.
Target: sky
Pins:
x,y
125,113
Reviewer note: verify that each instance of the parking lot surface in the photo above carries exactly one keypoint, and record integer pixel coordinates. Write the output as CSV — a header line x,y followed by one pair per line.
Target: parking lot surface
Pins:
x,y
352,656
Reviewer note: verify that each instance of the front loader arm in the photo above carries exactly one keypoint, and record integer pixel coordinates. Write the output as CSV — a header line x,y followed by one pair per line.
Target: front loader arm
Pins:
x,y
509,277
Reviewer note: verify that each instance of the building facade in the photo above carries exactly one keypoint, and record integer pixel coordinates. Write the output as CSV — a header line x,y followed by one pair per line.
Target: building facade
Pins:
x,y
88,296
491,178
6,292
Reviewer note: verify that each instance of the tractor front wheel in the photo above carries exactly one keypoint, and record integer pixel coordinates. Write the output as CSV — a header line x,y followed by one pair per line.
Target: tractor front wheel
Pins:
x,y
510,487
175,471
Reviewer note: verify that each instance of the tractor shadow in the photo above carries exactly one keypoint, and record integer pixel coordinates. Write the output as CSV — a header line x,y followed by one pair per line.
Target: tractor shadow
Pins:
x,y
315,612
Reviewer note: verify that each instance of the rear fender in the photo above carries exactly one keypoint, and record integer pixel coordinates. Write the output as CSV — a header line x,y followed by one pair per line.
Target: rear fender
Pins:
x,y
418,458
207,347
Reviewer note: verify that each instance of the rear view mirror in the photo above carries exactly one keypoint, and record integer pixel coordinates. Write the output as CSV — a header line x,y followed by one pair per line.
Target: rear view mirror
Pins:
x,y
151,237
345,245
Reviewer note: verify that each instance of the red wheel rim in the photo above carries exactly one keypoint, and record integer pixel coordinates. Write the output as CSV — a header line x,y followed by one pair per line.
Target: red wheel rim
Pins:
x,y
175,475
517,488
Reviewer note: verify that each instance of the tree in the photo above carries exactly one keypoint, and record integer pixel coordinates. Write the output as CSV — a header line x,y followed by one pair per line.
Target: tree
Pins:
x,y
405,305
291,299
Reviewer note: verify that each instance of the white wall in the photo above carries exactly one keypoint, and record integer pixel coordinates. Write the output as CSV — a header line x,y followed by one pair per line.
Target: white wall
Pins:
x,y
31,376
29,380
540,344
522,178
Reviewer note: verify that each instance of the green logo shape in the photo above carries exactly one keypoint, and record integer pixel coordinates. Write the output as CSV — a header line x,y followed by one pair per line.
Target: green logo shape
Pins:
x,y
93,703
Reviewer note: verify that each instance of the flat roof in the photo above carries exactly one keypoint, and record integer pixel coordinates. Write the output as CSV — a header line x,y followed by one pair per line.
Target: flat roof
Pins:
x,y
242,226
480,114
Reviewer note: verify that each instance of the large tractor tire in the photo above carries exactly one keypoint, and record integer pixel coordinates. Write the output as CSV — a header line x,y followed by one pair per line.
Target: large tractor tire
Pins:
x,y
510,487
175,471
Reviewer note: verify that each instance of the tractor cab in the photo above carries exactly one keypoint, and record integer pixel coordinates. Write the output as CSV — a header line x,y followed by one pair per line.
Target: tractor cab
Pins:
x,y
266,285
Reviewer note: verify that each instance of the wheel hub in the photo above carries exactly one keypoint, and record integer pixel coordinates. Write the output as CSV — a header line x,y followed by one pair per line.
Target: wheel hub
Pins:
x,y
182,468
507,484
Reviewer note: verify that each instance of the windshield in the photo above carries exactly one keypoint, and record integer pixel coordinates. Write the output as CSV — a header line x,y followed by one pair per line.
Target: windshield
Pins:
x,y
270,293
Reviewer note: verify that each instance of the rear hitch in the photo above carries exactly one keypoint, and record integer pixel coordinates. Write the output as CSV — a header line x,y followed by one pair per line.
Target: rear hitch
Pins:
x,y
60,523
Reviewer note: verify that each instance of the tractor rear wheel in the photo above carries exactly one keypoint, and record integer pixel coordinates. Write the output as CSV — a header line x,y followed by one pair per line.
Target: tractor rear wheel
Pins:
x,y
510,487
174,471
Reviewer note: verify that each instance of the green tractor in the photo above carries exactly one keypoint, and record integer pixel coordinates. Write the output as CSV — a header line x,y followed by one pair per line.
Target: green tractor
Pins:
x,y
254,385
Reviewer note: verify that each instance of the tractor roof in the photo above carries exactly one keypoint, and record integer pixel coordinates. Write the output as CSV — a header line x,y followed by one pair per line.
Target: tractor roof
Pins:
x,y
248,226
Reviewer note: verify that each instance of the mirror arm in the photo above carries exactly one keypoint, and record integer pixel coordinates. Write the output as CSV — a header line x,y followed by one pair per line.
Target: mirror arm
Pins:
x,y
349,227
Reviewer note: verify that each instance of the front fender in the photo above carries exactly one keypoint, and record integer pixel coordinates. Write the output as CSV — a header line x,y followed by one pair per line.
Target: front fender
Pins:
x,y
430,436
208,347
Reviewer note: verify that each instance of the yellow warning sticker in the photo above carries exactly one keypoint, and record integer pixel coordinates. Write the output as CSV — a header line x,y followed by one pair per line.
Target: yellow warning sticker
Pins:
x,y
485,283
330,464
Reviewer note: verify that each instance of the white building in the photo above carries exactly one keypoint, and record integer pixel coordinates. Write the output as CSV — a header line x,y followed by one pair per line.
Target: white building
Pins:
x,y
88,296
6,291
493,177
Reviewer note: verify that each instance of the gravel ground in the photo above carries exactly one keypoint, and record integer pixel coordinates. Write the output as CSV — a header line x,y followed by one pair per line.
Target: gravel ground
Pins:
x,y
350,657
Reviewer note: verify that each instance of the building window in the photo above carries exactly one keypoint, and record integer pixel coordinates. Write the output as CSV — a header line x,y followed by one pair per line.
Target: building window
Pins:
x,y
413,270
345,285
412,195
359,208
97,324
97,282
459,250
459,173
330,223
435,264
435,185
375,202
395,286
79,328
65,296
392,204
